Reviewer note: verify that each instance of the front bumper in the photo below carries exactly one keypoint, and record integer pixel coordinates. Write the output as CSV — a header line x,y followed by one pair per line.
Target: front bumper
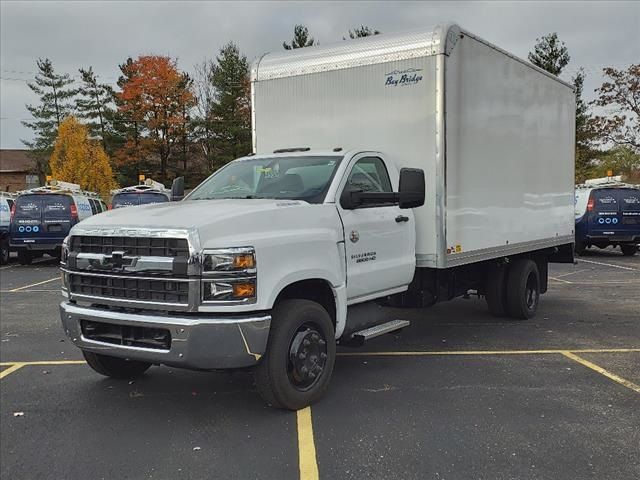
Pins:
x,y
198,342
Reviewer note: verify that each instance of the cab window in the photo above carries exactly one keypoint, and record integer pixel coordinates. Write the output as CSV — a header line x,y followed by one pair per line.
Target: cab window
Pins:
x,y
94,208
369,175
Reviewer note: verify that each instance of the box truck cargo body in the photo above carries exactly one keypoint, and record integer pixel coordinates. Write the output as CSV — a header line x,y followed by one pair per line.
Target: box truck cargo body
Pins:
x,y
396,170
493,134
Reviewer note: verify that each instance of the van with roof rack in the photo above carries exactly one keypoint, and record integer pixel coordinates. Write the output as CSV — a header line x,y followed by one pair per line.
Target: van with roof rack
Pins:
x,y
393,170
147,192
42,217
607,213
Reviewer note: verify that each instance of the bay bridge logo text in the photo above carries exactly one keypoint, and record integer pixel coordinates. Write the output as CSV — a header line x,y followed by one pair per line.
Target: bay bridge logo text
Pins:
x,y
401,78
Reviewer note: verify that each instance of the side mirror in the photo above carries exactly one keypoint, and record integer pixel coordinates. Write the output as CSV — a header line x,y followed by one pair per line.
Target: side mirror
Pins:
x,y
411,191
348,201
177,189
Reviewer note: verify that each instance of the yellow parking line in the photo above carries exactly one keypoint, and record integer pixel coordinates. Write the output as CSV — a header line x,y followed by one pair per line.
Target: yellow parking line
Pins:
x,y
45,362
11,369
34,284
485,352
602,371
306,446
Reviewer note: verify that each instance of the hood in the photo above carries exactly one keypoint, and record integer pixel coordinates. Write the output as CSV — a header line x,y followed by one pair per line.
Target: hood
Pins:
x,y
218,223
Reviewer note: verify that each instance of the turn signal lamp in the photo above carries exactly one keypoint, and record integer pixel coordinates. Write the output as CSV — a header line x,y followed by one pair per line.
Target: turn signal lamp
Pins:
x,y
244,262
244,290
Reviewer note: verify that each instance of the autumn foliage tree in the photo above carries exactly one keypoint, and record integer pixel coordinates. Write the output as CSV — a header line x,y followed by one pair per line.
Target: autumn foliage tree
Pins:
x,y
78,159
155,97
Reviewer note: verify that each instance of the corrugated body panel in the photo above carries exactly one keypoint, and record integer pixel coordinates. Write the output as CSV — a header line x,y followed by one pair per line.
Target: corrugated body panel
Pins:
x,y
359,52
509,153
358,108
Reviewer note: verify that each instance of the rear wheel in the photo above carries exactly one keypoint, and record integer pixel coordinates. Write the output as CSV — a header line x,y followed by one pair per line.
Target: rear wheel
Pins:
x,y
628,250
4,251
297,366
523,289
115,367
24,257
496,290
579,248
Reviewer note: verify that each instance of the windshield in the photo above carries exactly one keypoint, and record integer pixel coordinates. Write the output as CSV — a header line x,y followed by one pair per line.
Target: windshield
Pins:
x,y
292,178
130,199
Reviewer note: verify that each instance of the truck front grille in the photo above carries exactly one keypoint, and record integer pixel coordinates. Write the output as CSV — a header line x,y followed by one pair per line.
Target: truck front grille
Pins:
x,y
130,288
140,246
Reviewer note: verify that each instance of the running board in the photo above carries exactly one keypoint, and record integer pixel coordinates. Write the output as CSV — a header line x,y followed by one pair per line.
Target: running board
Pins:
x,y
372,332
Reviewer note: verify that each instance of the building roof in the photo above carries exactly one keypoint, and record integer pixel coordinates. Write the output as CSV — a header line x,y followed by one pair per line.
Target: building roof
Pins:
x,y
15,161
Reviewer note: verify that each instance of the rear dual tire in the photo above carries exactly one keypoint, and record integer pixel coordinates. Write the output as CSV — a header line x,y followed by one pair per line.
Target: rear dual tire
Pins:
x,y
514,290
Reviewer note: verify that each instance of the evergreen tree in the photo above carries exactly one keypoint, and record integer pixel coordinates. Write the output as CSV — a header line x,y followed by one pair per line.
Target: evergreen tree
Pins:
x,y
55,92
585,152
94,105
362,31
300,39
231,109
550,54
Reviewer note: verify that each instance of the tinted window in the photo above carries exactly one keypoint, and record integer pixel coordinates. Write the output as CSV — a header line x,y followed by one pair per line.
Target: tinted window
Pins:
x,y
29,206
94,208
369,175
10,202
56,207
130,199
606,200
629,201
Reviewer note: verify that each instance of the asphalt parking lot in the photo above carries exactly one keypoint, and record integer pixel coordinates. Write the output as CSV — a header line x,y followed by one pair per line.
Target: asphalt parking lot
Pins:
x,y
457,395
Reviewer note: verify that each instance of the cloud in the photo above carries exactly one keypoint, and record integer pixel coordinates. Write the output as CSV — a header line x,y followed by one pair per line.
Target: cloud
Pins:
x,y
104,34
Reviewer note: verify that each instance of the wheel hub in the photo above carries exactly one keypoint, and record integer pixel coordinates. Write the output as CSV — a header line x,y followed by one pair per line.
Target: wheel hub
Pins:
x,y
307,357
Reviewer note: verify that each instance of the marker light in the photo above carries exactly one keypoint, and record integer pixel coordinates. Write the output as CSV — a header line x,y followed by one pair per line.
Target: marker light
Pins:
x,y
590,204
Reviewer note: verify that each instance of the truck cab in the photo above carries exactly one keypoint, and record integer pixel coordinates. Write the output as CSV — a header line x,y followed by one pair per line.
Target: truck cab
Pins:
x,y
608,214
42,217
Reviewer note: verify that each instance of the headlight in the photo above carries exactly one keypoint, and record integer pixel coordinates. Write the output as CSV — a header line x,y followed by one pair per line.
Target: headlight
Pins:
x,y
229,275
229,261
242,290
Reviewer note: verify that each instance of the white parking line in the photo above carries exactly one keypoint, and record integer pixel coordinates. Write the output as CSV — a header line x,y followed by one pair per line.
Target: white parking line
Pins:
x,y
608,265
34,284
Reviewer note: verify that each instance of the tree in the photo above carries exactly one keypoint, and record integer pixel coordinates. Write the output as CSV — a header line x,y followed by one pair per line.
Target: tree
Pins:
x,y
550,54
300,39
362,31
94,105
585,137
231,107
78,159
154,98
202,125
620,96
55,92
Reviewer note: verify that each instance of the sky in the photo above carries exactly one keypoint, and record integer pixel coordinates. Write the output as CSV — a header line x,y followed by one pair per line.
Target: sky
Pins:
x,y
77,34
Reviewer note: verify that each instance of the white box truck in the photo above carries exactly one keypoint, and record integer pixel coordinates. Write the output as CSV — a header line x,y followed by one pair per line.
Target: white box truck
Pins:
x,y
400,170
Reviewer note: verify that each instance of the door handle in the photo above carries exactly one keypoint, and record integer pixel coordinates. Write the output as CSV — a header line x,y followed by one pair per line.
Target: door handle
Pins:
x,y
402,218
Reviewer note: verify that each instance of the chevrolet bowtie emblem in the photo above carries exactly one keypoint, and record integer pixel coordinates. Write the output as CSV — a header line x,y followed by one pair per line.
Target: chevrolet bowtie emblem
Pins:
x,y
354,237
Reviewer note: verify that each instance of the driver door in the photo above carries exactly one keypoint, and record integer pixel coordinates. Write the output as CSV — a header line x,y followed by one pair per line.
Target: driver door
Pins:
x,y
378,238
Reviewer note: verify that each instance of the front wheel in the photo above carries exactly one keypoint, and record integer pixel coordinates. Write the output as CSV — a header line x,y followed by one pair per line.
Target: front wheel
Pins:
x,y
298,363
628,250
115,367
4,251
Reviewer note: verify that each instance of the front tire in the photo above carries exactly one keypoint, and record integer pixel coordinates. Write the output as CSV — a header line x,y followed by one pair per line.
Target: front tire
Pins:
x,y
523,289
628,250
298,363
115,367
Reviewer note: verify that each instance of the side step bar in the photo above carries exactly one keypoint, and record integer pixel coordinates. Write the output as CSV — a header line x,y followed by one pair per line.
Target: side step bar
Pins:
x,y
372,332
